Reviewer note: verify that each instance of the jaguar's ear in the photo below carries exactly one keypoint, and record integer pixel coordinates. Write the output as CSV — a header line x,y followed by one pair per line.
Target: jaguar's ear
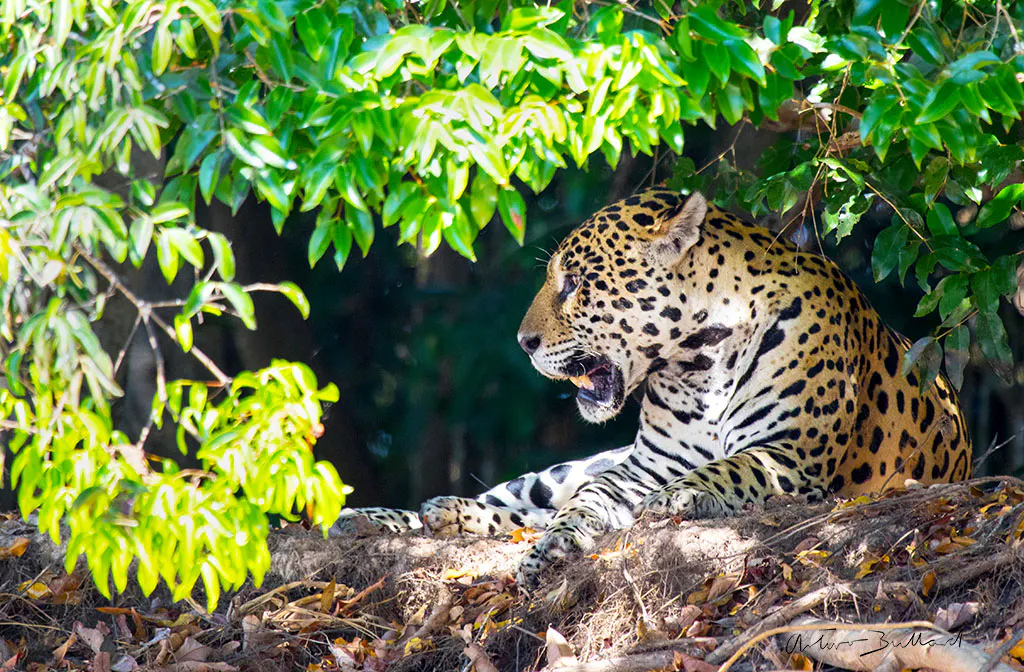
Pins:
x,y
680,231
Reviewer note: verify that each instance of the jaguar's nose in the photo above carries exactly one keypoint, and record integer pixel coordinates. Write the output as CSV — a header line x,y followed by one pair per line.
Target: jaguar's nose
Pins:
x,y
529,343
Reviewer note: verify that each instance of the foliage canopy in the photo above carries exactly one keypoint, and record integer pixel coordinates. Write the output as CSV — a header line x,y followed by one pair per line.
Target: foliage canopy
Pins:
x,y
426,116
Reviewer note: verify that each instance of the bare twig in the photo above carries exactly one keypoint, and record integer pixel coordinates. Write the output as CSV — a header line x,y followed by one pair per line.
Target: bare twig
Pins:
x,y
127,344
146,310
992,448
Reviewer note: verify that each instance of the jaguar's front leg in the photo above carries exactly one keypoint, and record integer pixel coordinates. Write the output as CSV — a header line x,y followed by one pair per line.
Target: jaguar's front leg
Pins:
x,y
605,503
451,516
355,521
723,487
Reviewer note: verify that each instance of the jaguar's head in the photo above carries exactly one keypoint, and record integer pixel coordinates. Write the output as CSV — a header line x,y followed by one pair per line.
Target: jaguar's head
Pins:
x,y
607,312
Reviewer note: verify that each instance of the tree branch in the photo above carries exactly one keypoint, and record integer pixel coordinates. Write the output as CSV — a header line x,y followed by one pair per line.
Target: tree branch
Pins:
x,y
145,309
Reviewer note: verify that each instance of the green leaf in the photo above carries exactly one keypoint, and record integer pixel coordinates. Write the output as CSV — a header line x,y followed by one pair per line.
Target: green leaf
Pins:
x,y
169,212
223,256
999,208
268,149
167,257
141,235
361,224
513,213
731,103
314,28
926,355
209,176
998,280
248,120
186,245
705,22
875,112
240,301
460,232
61,21
908,255
208,15
320,239
957,254
745,60
239,145
942,100
773,30
162,42
957,346
525,18
342,244
964,70
483,200
940,221
992,338
719,62
183,332
924,43
935,175
296,296
606,23
954,291
281,53
886,250
186,40
396,200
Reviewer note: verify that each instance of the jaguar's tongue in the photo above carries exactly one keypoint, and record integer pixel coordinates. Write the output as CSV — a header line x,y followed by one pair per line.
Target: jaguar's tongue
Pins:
x,y
583,382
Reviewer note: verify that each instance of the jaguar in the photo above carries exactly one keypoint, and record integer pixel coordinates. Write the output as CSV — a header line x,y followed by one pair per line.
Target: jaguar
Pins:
x,y
765,372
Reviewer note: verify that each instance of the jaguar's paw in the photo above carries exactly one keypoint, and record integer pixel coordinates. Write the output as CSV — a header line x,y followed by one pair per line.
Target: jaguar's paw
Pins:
x,y
676,501
551,549
450,516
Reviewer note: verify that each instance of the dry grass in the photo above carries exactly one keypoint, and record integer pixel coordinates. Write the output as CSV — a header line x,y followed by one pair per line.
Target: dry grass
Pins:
x,y
699,587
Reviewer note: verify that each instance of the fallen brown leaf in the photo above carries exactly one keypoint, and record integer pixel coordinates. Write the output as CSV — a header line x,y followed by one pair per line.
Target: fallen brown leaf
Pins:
x,y
92,637
956,615
927,583
481,661
559,653
16,549
686,663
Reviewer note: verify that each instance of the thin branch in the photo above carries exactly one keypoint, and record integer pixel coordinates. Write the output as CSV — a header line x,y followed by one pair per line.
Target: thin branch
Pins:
x,y
146,310
127,344
1013,29
161,377
898,214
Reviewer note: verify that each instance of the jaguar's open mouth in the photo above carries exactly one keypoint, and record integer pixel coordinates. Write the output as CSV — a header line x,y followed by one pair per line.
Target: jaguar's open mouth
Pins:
x,y
600,382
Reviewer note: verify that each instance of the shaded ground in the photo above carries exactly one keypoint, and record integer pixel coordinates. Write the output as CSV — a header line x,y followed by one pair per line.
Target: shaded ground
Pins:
x,y
949,555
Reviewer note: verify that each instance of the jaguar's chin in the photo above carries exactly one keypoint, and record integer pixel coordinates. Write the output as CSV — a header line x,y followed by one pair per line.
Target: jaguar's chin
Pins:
x,y
602,388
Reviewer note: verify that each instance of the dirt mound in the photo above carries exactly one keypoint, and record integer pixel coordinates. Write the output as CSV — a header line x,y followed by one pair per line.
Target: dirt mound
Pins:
x,y
666,594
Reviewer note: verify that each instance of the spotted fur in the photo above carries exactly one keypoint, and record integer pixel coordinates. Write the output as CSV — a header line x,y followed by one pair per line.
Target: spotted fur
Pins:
x,y
767,372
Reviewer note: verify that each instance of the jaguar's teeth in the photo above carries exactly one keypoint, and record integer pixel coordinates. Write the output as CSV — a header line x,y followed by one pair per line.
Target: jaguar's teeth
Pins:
x,y
582,381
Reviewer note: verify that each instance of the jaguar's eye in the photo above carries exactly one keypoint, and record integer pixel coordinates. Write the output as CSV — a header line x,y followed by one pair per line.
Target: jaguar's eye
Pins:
x,y
570,281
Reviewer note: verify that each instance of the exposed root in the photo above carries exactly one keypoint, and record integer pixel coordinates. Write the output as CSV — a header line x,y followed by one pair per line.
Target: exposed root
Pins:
x,y
878,647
